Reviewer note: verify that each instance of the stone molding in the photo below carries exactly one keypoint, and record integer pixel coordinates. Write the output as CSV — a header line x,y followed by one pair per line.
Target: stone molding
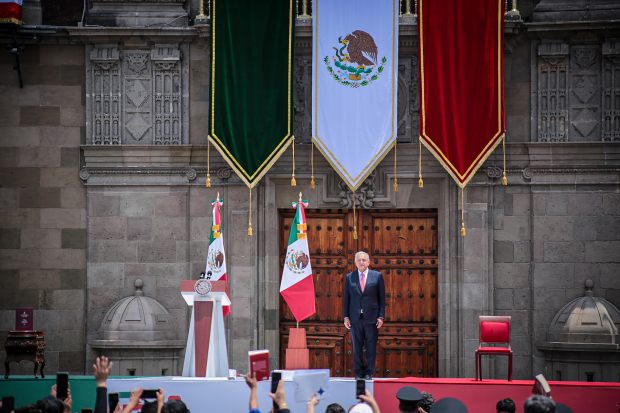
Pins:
x,y
191,174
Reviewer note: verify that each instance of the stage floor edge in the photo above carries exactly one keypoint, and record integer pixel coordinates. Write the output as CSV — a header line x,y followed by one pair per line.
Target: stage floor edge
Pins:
x,y
481,396
478,396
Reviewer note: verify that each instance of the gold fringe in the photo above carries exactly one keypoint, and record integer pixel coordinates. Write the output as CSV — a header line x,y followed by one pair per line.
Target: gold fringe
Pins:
x,y
250,220
420,182
504,180
462,213
293,181
312,165
208,163
395,180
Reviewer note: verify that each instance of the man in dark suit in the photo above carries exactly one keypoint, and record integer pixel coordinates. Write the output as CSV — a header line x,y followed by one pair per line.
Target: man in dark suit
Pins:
x,y
364,311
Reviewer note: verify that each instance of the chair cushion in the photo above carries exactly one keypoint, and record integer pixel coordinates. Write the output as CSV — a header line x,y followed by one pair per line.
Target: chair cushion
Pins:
x,y
494,332
494,350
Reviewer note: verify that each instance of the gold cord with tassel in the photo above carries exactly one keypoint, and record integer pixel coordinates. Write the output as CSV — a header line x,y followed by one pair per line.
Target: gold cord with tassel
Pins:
x,y
504,180
462,213
250,220
421,182
395,180
312,165
354,221
293,181
208,163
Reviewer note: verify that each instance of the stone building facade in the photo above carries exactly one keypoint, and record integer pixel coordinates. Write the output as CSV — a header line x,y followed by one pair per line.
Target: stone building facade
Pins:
x,y
104,161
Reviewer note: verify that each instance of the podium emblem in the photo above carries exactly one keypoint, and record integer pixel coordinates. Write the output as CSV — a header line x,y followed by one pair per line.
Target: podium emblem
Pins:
x,y
203,287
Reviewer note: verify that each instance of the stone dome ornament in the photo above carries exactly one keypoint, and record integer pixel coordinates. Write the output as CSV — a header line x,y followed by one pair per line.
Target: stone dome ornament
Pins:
x,y
586,320
583,340
138,318
131,329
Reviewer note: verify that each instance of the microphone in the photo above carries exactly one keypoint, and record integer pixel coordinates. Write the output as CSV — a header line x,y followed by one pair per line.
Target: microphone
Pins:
x,y
209,274
202,275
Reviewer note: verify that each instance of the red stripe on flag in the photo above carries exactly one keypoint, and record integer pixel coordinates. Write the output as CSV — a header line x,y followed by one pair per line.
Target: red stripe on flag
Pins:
x,y
226,308
300,298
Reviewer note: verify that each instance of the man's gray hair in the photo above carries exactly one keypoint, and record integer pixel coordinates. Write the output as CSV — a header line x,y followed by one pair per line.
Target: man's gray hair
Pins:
x,y
357,254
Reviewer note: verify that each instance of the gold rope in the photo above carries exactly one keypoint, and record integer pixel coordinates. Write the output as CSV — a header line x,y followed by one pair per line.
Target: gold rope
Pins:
x,y
504,180
250,221
462,213
312,165
395,180
293,181
354,221
208,163
421,182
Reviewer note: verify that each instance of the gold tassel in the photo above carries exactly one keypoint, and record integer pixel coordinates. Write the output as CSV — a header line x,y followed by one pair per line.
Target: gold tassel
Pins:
x,y
354,221
395,180
420,182
208,163
462,213
293,181
250,220
312,165
504,180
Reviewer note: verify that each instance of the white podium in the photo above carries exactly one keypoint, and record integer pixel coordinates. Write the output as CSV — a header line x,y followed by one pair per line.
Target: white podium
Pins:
x,y
205,354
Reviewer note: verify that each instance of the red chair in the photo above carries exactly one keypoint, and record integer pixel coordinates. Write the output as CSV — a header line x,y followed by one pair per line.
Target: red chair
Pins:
x,y
494,330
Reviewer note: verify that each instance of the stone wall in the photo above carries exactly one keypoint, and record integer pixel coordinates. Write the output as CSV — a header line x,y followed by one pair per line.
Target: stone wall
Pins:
x,y
42,201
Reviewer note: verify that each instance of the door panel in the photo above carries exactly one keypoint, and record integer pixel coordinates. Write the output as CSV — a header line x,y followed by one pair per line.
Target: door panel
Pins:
x,y
402,244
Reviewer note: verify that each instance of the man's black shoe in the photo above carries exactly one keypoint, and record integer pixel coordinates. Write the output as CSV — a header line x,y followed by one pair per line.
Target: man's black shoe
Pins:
x,y
368,377
359,378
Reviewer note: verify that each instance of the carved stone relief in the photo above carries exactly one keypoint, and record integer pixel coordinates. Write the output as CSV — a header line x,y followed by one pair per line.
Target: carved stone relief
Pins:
x,y
611,90
552,91
303,99
585,97
154,108
404,115
104,95
364,195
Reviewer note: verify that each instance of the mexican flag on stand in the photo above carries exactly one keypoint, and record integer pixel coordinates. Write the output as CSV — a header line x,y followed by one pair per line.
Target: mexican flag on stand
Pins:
x,y
216,258
297,286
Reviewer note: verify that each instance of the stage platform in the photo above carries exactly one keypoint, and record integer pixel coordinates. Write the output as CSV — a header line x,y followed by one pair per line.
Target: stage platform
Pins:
x,y
206,395
233,395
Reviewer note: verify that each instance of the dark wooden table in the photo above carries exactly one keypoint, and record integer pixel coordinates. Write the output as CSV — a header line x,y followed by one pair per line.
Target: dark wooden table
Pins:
x,y
25,346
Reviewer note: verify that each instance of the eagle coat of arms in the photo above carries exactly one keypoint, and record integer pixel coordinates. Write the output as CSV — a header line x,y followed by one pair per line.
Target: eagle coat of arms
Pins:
x,y
355,61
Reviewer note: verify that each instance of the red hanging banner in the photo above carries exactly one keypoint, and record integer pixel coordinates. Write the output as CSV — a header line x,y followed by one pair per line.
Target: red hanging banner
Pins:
x,y
461,64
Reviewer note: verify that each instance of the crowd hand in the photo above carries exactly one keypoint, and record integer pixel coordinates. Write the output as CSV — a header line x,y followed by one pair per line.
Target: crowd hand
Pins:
x,y
68,402
119,408
251,380
311,403
102,370
369,400
279,396
54,391
161,399
347,323
379,322
134,399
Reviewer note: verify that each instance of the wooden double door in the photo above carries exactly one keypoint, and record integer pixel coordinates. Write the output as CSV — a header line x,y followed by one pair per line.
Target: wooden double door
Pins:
x,y
402,244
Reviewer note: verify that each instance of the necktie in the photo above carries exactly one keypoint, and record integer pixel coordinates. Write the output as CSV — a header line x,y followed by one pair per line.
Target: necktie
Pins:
x,y
363,282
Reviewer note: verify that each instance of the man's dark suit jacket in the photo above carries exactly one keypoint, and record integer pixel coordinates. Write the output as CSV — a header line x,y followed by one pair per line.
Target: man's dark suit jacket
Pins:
x,y
372,300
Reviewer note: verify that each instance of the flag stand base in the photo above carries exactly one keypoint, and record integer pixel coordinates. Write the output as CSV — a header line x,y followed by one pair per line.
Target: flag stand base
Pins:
x,y
297,353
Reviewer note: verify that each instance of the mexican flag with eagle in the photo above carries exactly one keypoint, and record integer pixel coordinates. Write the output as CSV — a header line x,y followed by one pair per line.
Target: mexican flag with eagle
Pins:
x,y
297,285
216,258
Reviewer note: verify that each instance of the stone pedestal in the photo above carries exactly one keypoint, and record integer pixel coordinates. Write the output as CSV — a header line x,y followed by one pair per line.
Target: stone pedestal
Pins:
x,y
137,14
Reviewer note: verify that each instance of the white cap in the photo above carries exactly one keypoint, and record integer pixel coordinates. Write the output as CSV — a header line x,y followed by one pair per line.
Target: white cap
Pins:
x,y
361,408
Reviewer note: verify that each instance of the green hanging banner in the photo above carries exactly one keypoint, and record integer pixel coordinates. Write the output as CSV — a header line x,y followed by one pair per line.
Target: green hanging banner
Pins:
x,y
251,93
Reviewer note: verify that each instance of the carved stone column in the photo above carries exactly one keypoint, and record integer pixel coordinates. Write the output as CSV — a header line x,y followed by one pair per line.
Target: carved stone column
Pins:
x,y
611,90
552,100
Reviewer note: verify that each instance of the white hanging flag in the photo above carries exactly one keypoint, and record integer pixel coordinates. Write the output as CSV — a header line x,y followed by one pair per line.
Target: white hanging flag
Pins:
x,y
354,85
